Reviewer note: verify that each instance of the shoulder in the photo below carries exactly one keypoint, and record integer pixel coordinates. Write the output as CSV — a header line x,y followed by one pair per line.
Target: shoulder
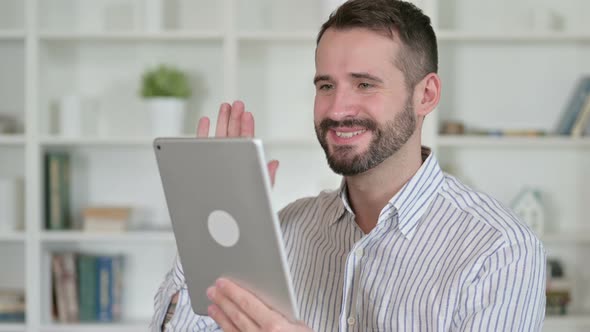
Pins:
x,y
305,207
483,208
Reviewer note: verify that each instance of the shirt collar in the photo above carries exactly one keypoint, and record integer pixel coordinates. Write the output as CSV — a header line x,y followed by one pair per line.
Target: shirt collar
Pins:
x,y
411,201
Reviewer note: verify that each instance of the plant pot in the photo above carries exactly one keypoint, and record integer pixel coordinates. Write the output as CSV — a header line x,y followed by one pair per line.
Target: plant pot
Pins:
x,y
78,116
166,116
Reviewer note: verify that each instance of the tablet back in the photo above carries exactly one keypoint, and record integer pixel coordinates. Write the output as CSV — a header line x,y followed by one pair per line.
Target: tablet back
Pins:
x,y
218,196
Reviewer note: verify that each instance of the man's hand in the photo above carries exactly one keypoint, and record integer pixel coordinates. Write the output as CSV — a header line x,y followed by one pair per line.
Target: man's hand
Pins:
x,y
236,309
233,121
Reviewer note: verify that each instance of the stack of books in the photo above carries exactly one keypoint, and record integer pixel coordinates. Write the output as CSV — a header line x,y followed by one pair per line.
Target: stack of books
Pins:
x,y
106,219
86,288
12,306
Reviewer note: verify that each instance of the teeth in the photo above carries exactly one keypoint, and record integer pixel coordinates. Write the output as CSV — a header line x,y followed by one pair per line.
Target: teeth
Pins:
x,y
350,134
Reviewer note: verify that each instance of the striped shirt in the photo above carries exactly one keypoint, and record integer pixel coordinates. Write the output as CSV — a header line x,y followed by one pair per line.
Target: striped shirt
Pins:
x,y
442,257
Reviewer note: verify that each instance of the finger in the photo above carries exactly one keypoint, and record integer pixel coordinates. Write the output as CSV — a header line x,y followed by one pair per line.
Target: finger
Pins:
x,y
247,302
235,119
247,128
273,165
222,120
203,127
231,311
221,319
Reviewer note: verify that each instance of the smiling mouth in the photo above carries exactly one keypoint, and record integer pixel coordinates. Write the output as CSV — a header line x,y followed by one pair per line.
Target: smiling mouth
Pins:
x,y
349,134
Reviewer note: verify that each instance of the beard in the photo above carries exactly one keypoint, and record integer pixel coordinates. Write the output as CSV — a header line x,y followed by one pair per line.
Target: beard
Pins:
x,y
386,141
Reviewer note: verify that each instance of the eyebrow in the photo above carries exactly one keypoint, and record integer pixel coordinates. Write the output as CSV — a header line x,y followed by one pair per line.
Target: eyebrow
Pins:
x,y
318,78
366,76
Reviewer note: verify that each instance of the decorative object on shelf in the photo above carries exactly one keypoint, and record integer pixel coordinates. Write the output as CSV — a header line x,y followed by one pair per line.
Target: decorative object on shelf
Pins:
x,y
558,291
78,116
12,306
528,205
11,204
574,111
509,132
166,89
544,19
10,123
452,128
105,219
57,190
153,15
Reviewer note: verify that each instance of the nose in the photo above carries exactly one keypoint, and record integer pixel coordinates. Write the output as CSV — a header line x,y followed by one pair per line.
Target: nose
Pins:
x,y
342,105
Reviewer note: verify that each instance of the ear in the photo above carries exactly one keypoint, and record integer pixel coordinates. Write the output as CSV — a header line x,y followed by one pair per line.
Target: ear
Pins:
x,y
427,94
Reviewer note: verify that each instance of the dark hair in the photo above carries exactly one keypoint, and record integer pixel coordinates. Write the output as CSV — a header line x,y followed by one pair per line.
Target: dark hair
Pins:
x,y
418,55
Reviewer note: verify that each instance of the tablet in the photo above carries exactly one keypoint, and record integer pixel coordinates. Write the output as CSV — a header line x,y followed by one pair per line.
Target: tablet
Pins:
x,y
218,196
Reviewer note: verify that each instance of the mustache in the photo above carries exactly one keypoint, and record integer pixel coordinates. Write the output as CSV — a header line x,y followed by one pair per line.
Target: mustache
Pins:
x,y
327,124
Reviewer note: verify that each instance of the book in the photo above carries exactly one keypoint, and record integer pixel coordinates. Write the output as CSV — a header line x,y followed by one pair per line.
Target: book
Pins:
x,y
57,191
582,120
574,106
65,287
87,287
109,288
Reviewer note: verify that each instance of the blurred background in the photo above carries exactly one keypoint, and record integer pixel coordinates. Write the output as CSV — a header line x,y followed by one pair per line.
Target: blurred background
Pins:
x,y
85,86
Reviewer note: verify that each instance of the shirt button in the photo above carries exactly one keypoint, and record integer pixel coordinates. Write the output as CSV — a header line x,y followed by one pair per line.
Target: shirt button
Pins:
x,y
351,320
359,252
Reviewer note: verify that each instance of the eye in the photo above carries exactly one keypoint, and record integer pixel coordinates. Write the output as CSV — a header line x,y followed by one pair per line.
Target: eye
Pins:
x,y
365,85
325,87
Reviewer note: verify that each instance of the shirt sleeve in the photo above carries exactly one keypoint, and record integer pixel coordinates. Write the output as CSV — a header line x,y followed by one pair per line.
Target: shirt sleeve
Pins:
x,y
184,318
507,293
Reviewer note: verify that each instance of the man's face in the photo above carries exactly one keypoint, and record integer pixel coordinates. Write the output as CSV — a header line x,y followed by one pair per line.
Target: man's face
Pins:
x,y
363,113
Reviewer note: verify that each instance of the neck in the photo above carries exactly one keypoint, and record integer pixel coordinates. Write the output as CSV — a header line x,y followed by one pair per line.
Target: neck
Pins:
x,y
369,192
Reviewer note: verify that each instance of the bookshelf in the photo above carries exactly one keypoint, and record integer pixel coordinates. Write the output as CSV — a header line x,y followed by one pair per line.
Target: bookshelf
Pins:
x,y
498,71
10,237
9,327
118,327
544,142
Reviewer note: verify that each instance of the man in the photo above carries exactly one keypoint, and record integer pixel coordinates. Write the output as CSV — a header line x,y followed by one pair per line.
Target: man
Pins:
x,y
400,246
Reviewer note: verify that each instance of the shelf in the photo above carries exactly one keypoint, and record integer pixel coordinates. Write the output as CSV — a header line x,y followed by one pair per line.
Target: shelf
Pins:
x,y
12,140
12,237
12,35
135,237
512,141
574,319
96,327
451,35
132,36
263,36
12,327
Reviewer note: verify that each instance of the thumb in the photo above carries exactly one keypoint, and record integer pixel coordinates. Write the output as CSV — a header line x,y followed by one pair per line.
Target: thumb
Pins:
x,y
272,170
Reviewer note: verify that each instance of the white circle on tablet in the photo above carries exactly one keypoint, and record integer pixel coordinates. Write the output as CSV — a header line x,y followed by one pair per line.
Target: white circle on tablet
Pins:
x,y
223,228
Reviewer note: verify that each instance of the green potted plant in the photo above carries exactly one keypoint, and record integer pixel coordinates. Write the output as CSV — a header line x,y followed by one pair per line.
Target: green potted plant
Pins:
x,y
166,89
